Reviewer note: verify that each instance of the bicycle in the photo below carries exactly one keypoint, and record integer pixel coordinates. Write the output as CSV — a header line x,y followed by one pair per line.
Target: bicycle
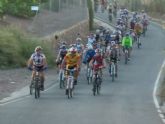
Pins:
x,y
97,83
110,17
126,54
69,82
144,30
89,74
36,84
138,41
112,70
61,78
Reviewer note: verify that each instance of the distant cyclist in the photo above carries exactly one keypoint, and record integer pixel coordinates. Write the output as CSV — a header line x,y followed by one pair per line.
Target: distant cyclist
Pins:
x,y
61,55
127,44
90,52
112,55
97,62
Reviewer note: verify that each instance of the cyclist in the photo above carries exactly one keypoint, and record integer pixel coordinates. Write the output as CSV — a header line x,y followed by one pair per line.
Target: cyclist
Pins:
x,y
38,62
89,54
61,55
79,46
97,62
127,44
72,61
138,29
112,54
91,39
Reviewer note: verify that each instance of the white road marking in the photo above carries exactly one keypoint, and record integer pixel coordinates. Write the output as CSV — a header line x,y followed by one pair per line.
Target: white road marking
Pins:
x,y
26,96
155,90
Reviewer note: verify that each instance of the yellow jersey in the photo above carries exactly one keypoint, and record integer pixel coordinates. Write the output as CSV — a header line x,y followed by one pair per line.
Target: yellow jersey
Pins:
x,y
72,60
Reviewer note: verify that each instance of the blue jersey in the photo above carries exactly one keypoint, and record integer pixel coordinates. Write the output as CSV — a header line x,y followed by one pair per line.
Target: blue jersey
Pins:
x,y
88,56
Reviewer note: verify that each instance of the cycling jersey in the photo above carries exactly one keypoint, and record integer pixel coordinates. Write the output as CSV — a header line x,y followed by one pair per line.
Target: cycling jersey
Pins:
x,y
138,29
88,56
72,60
97,62
127,42
63,53
37,59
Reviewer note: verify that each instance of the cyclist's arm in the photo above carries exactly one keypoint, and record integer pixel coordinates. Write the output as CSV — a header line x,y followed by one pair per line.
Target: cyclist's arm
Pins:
x,y
58,56
63,63
44,63
30,62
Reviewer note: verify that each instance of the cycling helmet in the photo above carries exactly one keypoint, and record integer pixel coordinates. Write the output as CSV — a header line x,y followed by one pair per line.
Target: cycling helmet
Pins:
x,y
97,50
72,50
38,48
63,47
78,39
113,43
127,34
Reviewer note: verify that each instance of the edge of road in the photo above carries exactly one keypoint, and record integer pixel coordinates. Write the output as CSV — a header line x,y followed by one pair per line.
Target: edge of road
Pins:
x,y
157,90
24,92
160,78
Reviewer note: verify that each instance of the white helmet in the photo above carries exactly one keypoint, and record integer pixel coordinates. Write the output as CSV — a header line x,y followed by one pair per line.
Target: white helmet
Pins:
x,y
78,39
113,43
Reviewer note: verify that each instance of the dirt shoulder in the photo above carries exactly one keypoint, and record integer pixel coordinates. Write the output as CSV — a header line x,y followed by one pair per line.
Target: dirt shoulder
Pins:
x,y
15,79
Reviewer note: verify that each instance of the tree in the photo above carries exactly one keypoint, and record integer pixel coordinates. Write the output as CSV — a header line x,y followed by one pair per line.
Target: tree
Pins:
x,y
90,13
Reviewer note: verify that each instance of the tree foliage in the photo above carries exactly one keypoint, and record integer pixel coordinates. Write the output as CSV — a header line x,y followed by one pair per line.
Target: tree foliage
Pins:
x,y
18,7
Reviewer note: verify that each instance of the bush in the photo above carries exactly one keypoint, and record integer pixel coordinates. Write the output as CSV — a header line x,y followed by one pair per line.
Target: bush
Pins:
x,y
17,47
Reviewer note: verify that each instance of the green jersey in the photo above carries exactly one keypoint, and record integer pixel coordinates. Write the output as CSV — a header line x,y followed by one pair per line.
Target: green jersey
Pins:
x,y
127,42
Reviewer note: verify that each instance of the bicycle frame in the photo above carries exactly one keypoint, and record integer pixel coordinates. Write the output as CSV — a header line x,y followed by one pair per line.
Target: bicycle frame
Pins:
x,y
36,84
70,81
96,83
113,70
61,78
126,55
89,74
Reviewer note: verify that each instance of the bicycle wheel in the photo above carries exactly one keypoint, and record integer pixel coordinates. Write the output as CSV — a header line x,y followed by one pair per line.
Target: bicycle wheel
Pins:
x,y
113,74
126,57
138,43
31,88
94,86
61,81
69,93
94,90
37,89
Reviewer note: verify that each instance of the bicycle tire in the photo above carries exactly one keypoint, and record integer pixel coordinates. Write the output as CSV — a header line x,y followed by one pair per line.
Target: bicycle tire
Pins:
x,y
69,93
126,58
31,89
61,81
36,93
94,90
98,89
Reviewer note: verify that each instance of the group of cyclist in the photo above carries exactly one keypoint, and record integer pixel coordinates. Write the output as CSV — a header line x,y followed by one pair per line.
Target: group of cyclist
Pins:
x,y
103,46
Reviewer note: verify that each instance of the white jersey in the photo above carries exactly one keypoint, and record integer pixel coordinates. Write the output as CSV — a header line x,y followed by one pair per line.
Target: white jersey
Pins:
x,y
38,59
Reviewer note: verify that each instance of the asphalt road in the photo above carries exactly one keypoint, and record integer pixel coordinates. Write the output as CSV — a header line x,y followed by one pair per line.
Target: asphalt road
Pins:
x,y
128,100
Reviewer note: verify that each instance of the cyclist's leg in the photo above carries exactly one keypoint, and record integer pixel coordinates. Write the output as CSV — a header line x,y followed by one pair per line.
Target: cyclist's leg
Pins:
x,y
42,79
32,77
